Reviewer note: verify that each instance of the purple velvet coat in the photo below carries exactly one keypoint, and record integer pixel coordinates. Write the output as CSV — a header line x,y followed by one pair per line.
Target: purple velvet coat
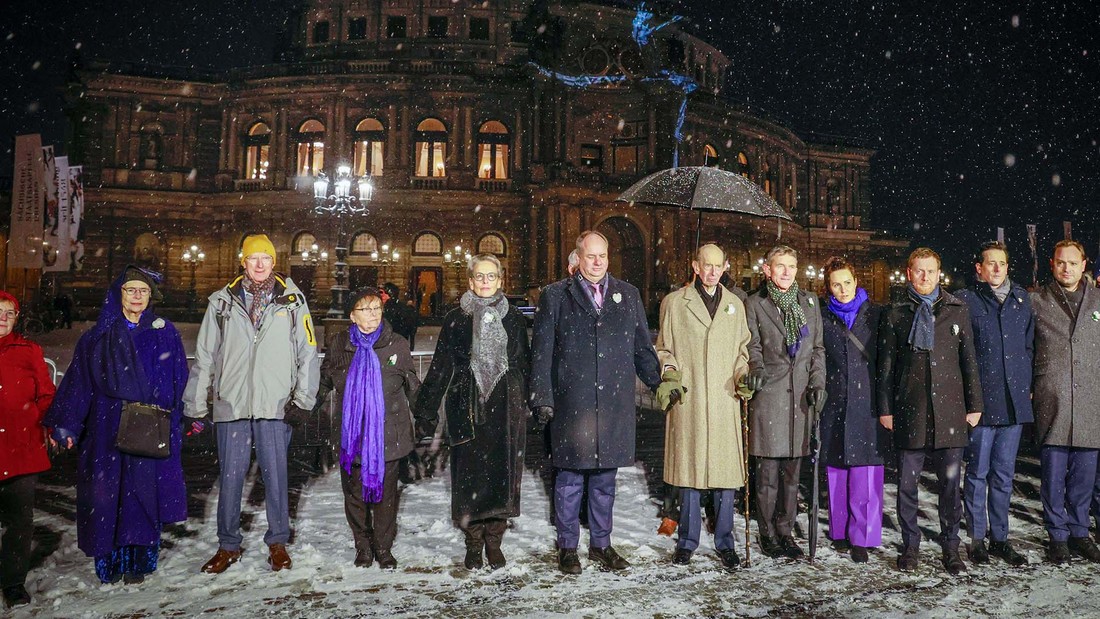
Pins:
x,y
122,500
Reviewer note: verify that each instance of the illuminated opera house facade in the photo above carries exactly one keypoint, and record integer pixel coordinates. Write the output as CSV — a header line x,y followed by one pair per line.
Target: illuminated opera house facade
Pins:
x,y
503,126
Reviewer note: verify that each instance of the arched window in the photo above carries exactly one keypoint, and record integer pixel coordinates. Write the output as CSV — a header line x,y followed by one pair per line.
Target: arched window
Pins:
x,y
152,146
370,138
311,148
303,242
711,157
427,244
492,144
431,148
256,148
491,243
743,165
363,244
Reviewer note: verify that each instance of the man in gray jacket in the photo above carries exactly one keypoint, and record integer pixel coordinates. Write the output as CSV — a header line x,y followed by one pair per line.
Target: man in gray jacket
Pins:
x,y
257,351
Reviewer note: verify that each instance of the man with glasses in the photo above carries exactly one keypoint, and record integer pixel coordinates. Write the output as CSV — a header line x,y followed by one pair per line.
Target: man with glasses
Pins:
x,y
257,349
590,339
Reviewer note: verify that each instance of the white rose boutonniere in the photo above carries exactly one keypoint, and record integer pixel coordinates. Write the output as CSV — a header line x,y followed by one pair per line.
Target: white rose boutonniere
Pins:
x,y
1096,316
810,301
158,323
618,298
954,329
487,318
392,360
730,310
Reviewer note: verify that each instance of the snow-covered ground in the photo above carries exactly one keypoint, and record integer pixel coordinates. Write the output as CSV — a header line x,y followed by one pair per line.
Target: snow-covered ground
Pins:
x,y
431,581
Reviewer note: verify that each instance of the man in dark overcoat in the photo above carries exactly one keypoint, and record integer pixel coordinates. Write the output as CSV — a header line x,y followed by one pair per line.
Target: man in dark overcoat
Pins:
x,y
929,394
1004,330
787,359
1067,401
590,339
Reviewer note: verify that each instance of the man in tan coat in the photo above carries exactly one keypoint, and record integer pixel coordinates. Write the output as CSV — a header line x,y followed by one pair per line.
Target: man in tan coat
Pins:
x,y
703,342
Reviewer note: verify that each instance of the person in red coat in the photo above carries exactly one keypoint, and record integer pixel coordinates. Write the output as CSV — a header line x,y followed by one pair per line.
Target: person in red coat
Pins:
x,y
26,391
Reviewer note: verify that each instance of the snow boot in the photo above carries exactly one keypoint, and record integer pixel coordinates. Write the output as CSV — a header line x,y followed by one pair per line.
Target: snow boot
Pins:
x,y
858,554
1084,547
1057,552
16,595
952,562
978,553
568,561
475,545
494,535
1005,551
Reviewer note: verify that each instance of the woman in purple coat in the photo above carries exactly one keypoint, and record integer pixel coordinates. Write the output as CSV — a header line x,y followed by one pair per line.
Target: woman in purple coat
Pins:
x,y
122,501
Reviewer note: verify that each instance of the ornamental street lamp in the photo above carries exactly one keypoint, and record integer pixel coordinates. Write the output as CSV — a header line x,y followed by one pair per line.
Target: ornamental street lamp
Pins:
x,y
384,257
314,255
341,203
897,286
192,256
458,259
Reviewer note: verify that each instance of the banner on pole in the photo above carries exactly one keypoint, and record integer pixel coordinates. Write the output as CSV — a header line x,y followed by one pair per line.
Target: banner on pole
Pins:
x,y
1067,230
76,216
55,245
1033,245
27,204
1000,235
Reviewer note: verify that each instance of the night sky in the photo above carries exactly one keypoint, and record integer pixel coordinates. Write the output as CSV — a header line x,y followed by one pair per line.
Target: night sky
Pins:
x,y
982,116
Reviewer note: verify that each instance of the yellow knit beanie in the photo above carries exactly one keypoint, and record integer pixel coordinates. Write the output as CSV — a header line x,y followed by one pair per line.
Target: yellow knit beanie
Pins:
x,y
257,244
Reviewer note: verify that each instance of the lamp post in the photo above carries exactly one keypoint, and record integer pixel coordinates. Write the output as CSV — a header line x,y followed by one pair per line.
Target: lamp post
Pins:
x,y
897,286
192,256
314,255
341,203
457,259
384,257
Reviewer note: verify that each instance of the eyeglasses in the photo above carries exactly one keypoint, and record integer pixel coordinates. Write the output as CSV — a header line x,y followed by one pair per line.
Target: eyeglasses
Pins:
x,y
375,309
8,314
137,292
486,277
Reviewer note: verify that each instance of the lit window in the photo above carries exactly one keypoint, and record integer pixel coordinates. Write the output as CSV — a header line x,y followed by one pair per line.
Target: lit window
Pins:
x,y
311,148
491,244
257,146
370,138
743,165
431,148
303,242
363,244
428,244
710,156
592,156
493,141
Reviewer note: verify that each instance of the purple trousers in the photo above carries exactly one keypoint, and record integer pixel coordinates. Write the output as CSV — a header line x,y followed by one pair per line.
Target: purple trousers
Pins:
x,y
855,504
568,488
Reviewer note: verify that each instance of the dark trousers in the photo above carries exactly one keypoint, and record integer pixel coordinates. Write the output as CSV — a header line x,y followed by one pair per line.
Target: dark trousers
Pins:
x,y
1069,474
990,467
776,495
488,532
691,521
235,439
948,466
17,519
374,525
568,490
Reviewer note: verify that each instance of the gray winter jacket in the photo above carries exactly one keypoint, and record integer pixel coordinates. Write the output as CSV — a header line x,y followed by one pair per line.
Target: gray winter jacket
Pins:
x,y
254,372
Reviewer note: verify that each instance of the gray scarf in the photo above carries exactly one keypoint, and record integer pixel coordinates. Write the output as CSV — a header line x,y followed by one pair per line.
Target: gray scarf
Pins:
x,y
1001,292
489,352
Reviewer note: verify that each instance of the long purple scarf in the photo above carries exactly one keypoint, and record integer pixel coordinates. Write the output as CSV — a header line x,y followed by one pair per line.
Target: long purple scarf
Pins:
x,y
847,311
364,423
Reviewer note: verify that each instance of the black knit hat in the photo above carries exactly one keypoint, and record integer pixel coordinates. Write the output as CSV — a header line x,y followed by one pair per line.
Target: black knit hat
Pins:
x,y
133,273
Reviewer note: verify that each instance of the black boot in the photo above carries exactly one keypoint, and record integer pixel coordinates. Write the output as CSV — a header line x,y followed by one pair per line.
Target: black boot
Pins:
x,y
978,552
952,562
16,595
494,535
568,561
1006,552
475,544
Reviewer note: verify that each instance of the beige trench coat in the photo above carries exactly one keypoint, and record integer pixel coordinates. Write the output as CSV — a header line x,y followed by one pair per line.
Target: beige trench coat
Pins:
x,y
703,447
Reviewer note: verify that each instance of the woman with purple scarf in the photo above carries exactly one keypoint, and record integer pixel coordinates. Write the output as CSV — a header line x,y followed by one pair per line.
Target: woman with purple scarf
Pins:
x,y
851,443
123,500
371,370
481,364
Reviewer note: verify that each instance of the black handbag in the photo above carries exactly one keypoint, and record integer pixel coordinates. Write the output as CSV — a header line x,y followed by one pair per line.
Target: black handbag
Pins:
x,y
144,430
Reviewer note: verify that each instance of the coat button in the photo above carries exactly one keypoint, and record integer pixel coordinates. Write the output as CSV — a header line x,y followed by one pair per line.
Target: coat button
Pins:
x,y
600,387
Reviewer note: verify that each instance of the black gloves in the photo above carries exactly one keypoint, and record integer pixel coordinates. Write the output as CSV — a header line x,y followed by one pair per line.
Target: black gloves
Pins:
x,y
425,431
754,381
295,416
543,414
816,397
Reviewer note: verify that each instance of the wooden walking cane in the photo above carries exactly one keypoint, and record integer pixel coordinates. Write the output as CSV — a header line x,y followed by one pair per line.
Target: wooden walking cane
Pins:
x,y
745,470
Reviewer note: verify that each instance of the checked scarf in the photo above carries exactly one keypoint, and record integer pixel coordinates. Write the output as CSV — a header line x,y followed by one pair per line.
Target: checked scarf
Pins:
x,y
794,319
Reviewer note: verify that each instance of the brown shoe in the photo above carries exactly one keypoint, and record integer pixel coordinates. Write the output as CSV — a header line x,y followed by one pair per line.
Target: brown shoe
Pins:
x,y
221,561
278,558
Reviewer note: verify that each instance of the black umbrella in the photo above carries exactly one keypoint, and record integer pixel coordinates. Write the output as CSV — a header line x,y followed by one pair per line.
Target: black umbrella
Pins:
x,y
704,189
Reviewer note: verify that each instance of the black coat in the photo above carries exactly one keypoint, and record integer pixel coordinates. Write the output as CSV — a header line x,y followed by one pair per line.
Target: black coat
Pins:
x,y
399,386
928,393
583,364
487,458
851,434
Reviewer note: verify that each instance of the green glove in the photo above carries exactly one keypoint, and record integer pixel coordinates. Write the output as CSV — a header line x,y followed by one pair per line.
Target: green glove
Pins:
x,y
670,391
744,391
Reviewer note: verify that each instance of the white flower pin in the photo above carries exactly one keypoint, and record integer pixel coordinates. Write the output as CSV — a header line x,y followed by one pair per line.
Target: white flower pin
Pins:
x,y
730,309
393,360
618,298
954,329
1096,316
810,301
487,318
158,323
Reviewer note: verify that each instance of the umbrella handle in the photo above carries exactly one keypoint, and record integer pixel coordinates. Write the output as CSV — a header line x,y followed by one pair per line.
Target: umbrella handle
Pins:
x,y
745,472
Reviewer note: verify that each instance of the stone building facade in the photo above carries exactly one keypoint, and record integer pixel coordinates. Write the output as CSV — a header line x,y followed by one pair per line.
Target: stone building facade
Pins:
x,y
506,126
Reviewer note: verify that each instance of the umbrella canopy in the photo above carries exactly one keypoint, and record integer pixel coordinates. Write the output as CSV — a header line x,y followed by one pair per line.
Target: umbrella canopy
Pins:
x,y
705,189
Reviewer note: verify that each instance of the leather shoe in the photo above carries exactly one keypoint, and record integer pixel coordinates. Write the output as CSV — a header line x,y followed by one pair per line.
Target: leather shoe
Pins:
x,y
608,558
978,552
909,559
495,557
841,545
771,547
386,560
133,579
278,558
952,562
473,559
791,550
221,561
364,557
1006,552
568,561
16,595
682,556
729,558
1084,547
858,554
1057,552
